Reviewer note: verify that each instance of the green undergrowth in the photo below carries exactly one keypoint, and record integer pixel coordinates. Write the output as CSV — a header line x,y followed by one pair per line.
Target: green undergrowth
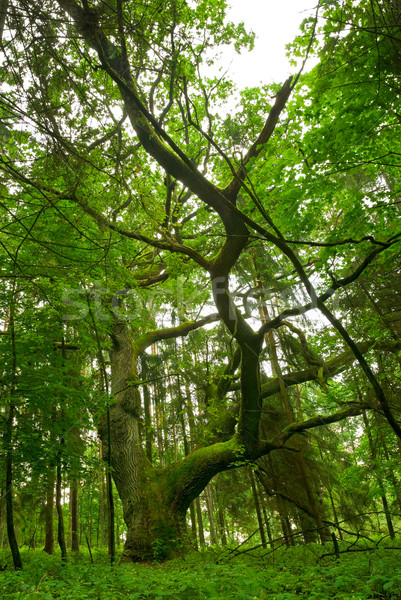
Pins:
x,y
293,574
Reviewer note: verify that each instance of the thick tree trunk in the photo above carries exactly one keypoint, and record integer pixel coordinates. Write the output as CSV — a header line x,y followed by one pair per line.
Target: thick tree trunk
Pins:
x,y
154,501
155,528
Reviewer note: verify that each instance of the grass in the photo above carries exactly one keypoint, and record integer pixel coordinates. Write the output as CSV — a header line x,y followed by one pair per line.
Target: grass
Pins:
x,y
293,574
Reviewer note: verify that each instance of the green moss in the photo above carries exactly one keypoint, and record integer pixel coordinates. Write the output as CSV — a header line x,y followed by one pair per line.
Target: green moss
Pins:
x,y
186,479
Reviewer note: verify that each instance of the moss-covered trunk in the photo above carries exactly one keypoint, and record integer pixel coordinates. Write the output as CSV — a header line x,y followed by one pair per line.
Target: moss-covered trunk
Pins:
x,y
155,524
156,527
155,501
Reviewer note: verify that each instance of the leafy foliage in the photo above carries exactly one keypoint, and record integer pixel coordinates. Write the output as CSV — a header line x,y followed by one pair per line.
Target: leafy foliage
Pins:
x,y
295,574
150,194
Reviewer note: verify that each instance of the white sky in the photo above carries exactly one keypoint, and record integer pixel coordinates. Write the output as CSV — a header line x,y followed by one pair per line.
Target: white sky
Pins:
x,y
276,23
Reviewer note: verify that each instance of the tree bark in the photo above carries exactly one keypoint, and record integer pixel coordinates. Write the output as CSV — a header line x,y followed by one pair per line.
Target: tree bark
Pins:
x,y
155,501
220,512
147,409
12,539
299,458
379,479
258,509
3,14
110,518
74,487
49,509
266,519
102,504
200,522
2,517
59,508
8,439
210,512
154,525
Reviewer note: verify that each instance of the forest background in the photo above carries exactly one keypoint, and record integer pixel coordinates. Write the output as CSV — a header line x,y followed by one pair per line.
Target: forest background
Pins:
x,y
200,285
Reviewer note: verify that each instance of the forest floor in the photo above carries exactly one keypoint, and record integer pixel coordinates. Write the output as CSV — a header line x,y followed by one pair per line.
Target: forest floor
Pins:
x,y
286,574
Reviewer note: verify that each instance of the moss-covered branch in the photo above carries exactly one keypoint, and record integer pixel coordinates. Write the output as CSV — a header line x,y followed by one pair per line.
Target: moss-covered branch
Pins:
x,y
151,337
187,478
352,410
328,369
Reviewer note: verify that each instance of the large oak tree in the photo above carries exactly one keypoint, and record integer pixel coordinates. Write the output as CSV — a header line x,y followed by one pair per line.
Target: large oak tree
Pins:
x,y
125,165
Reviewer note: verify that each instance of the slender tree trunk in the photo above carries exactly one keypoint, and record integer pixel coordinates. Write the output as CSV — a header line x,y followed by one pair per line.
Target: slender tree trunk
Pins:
x,y
107,435
395,484
3,14
333,506
258,509
59,508
387,513
192,514
222,527
268,528
90,516
186,451
210,512
110,498
299,459
8,439
379,479
2,517
102,504
159,418
74,486
49,509
12,539
147,409
285,522
118,532
220,513
266,519
281,508
200,522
